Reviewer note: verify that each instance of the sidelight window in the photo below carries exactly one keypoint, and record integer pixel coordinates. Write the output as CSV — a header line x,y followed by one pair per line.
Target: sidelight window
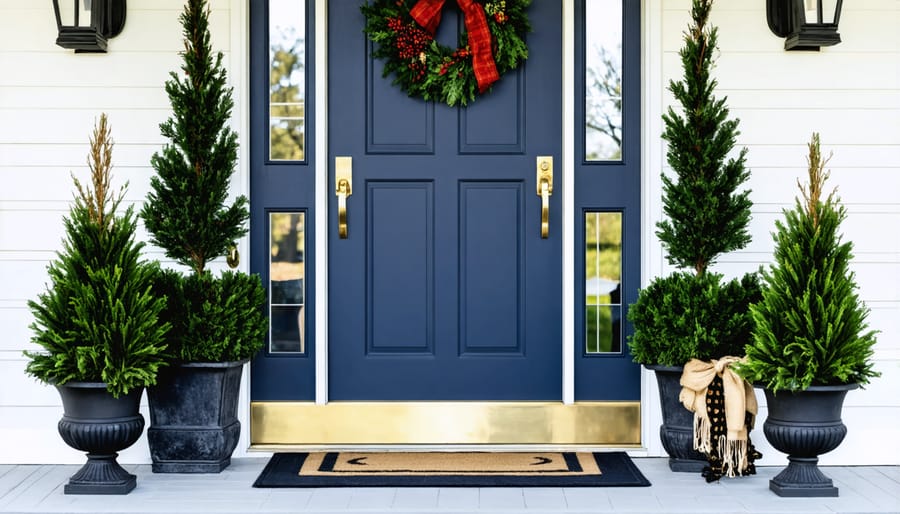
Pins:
x,y
287,80
603,80
603,282
287,271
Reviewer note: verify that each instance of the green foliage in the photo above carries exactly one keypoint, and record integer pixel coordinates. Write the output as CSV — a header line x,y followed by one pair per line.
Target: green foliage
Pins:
x,y
98,320
214,319
434,71
706,216
810,327
185,211
694,315
684,316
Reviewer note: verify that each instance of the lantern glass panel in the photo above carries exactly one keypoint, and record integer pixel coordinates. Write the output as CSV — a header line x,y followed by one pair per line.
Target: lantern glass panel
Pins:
x,y
75,13
820,11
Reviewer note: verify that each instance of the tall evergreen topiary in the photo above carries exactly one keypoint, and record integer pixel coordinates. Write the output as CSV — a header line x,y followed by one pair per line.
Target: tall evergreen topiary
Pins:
x,y
810,327
695,314
186,212
706,214
98,320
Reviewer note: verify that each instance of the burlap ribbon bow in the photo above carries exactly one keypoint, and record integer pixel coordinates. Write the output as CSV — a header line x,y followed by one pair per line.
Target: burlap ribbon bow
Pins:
x,y
739,400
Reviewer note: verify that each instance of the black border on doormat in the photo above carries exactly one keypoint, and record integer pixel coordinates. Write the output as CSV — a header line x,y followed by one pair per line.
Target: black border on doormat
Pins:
x,y
617,470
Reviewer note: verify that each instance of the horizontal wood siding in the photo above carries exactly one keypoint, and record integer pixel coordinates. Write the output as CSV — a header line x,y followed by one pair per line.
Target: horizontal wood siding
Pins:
x,y
850,94
50,99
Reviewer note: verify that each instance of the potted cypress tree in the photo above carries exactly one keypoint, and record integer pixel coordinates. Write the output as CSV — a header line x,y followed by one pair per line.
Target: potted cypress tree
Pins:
x,y
218,322
811,342
98,324
694,313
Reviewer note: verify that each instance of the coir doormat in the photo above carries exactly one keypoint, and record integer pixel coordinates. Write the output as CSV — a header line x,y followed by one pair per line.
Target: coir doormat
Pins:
x,y
451,469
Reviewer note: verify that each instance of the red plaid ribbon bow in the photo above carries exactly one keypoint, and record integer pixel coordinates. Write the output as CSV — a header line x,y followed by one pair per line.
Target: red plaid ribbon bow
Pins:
x,y
427,13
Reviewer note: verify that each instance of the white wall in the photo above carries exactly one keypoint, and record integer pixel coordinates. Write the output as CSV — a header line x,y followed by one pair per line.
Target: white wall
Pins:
x,y
50,99
850,94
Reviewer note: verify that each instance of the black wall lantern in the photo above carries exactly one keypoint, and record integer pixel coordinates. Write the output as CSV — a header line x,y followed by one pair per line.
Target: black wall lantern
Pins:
x,y
806,24
88,28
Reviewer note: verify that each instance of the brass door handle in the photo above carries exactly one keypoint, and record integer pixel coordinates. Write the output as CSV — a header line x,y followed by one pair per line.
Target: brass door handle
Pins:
x,y
343,187
544,190
342,194
545,209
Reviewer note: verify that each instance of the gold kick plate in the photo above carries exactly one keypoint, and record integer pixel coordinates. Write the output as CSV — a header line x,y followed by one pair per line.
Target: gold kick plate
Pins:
x,y
545,190
296,424
343,187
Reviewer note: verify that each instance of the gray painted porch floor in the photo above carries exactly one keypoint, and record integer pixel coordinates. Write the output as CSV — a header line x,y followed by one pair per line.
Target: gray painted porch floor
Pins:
x,y
26,488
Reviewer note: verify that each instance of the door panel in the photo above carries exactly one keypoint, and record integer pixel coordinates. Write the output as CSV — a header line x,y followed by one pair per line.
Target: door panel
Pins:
x,y
444,289
282,187
400,268
491,267
607,185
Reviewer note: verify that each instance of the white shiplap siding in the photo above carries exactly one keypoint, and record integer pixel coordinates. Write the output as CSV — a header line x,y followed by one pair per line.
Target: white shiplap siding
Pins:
x,y
850,94
50,99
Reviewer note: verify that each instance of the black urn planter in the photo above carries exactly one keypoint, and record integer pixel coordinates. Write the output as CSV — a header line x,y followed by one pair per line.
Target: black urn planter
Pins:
x,y
677,430
193,417
805,424
97,423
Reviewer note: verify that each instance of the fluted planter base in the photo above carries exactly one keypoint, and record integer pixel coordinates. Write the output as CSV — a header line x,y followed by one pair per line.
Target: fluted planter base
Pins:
x,y
95,422
101,475
803,479
805,424
677,430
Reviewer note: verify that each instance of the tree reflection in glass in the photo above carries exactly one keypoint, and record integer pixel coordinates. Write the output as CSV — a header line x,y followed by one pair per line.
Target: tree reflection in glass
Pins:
x,y
603,80
287,88
603,282
287,243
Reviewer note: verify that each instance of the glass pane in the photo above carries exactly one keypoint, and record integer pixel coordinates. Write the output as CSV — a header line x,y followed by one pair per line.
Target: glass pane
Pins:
x,y
603,80
815,14
603,282
287,79
75,14
603,326
287,298
287,329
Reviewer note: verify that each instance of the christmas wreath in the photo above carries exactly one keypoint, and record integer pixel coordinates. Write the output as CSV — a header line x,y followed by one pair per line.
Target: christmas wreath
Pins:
x,y
492,44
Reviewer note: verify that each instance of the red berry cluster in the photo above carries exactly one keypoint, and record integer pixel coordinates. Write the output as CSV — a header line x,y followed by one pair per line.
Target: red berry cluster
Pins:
x,y
457,56
410,40
419,69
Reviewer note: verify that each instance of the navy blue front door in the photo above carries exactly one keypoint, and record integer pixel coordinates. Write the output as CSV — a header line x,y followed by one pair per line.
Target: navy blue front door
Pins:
x,y
444,288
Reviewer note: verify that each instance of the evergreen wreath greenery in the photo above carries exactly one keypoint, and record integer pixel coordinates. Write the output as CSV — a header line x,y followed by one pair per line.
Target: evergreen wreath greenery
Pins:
x,y
425,68
186,212
696,315
810,327
98,319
